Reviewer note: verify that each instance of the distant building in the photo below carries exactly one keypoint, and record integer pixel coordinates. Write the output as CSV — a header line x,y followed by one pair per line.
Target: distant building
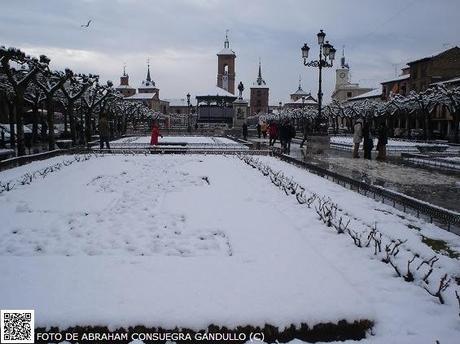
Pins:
x,y
124,87
300,99
375,94
344,88
436,68
259,95
397,85
215,105
148,94
226,68
420,74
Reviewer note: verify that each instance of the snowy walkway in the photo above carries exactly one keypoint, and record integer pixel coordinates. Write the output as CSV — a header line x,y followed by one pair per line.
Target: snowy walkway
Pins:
x,y
193,240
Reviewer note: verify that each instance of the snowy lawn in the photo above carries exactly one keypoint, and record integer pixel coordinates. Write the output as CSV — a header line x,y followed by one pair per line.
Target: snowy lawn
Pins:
x,y
180,139
191,241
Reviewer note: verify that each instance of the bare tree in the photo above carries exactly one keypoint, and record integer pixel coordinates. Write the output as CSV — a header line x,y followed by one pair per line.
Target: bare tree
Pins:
x,y
50,82
72,90
19,80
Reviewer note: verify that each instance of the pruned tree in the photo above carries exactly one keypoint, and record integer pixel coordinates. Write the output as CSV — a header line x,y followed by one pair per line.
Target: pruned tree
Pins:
x,y
19,80
50,82
72,90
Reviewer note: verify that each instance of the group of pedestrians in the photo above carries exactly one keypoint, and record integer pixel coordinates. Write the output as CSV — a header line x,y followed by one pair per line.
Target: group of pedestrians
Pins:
x,y
284,131
362,132
262,129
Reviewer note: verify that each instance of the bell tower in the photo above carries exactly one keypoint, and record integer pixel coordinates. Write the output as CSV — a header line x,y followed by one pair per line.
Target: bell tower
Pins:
x,y
342,74
226,67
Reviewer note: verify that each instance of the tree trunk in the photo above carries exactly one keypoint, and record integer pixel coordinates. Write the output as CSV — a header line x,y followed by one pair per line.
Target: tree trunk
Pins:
x,y
12,120
429,125
35,124
456,125
72,123
50,120
87,126
19,123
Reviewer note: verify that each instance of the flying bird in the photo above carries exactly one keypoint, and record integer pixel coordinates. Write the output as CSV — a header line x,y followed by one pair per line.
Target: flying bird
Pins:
x,y
87,25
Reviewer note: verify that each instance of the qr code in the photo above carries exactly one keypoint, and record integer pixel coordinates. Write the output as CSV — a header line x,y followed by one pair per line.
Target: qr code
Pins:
x,y
17,326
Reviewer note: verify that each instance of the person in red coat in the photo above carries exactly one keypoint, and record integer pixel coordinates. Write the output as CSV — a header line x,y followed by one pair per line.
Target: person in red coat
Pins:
x,y
155,134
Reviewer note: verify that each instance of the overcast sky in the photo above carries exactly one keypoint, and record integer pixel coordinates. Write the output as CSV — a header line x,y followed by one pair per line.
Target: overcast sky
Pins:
x,y
182,37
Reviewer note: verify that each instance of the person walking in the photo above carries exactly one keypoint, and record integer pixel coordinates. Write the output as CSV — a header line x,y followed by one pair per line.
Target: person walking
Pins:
x,y
155,134
245,131
104,132
264,129
283,134
382,142
368,141
306,131
259,130
272,133
357,137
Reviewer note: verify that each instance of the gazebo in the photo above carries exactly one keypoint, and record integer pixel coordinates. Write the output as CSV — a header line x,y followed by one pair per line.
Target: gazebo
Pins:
x,y
215,106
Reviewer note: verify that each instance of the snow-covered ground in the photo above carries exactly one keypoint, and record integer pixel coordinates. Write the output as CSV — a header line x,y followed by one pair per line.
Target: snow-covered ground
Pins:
x,y
190,241
393,146
180,139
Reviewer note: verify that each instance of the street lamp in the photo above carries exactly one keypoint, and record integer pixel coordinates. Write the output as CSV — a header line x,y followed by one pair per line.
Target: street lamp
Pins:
x,y
326,60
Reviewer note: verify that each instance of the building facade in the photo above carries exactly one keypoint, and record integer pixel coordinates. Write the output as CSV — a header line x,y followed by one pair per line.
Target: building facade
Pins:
x,y
226,68
344,88
124,87
148,94
259,95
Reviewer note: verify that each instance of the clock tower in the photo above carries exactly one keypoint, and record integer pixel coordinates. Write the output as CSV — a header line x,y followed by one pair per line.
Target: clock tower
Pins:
x,y
342,74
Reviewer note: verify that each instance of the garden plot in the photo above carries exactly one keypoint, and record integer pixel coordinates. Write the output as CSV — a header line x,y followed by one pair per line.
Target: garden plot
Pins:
x,y
190,241
189,140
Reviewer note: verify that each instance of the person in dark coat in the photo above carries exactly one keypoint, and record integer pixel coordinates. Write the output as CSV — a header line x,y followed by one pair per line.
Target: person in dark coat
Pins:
x,y
104,132
155,134
368,142
259,130
245,131
272,133
382,142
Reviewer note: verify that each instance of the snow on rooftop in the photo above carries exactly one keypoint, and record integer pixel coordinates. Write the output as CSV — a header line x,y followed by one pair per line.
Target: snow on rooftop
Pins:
x,y
140,96
226,51
449,81
215,91
377,92
398,78
178,101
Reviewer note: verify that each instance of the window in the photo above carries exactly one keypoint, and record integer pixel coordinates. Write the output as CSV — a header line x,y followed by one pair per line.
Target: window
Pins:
x,y
349,94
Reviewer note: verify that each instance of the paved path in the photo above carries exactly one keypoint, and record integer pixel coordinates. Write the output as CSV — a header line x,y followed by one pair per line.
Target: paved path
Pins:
x,y
437,187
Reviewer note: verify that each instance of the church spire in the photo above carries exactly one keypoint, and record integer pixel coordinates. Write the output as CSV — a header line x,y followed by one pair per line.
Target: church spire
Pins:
x,y
148,71
342,59
226,42
260,81
300,83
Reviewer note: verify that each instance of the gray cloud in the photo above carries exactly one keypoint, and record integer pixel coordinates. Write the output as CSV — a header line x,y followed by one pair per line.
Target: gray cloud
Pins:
x,y
181,37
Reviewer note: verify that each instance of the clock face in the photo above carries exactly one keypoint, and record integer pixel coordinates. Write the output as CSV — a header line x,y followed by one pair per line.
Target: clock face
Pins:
x,y
342,75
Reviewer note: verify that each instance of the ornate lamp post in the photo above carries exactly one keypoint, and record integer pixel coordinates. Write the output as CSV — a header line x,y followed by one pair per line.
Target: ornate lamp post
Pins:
x,y
326,59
